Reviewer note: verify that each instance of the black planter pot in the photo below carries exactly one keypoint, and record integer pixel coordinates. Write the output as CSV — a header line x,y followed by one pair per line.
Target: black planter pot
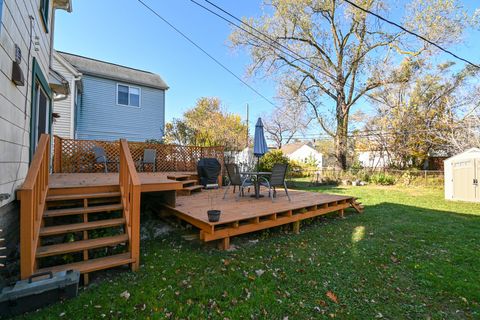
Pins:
x,y
213,215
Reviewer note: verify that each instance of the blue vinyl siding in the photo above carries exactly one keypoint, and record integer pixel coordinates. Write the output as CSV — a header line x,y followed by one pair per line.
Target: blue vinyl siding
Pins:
x,y
100,117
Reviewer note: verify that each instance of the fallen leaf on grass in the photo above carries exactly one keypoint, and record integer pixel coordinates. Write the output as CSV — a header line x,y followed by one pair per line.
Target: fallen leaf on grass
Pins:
x,y
125,294
259,272
394,259
141,306
330,295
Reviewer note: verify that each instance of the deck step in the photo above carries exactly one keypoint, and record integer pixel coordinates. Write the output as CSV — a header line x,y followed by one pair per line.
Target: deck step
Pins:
x,y
192,188
74,211
80,196
185,182
55,249
76,227
179,177
93,264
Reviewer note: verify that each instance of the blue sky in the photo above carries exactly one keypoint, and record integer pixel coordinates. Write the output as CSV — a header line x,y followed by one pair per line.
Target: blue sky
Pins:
x,y
124,32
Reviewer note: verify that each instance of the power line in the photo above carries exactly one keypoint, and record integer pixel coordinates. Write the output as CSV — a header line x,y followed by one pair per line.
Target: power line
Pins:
x,y
412,33
293,54
205,52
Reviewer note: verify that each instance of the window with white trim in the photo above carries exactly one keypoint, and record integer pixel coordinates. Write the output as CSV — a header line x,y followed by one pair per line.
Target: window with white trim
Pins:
x,y
128,96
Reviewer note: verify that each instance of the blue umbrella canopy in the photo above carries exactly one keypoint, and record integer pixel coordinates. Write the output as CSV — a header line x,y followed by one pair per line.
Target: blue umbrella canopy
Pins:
x,y
259,142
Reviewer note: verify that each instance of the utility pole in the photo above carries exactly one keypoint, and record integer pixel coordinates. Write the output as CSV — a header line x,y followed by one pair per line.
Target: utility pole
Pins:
x,y
248,129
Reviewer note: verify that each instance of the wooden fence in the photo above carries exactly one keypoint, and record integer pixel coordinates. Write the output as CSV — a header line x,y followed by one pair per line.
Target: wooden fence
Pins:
x,y
72,156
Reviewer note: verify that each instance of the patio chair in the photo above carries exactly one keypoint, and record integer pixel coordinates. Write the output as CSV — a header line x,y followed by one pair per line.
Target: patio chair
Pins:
x,y
235,179
277,179
100,157
149,158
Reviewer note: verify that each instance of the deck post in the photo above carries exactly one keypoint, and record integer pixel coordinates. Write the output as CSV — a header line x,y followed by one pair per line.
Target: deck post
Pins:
x,y
135,223
341,213
57,154
26,231
296,227
225,243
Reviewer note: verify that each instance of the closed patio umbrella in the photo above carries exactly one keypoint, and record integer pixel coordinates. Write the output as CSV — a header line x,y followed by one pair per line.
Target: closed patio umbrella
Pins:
x,y
259,142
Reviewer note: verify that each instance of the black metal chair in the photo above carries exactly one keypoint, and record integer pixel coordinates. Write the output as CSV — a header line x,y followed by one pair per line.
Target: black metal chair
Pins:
x,y
149,158
235,179
277,179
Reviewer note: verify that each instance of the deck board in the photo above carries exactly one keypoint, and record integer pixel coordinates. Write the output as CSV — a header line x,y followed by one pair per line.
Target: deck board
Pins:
x,y
250,214
196,206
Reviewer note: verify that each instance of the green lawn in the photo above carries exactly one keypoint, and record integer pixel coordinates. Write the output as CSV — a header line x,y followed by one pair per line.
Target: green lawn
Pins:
x,y
410,255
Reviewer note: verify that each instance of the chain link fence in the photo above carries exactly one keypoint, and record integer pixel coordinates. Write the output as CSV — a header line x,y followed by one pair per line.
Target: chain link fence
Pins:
x,y
382,176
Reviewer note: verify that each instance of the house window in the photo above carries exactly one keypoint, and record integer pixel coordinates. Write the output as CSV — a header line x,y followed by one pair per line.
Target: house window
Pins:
x,y
44,7
128,96
41,107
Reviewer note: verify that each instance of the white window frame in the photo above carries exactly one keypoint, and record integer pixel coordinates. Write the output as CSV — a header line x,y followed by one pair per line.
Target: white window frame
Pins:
x,y
129,86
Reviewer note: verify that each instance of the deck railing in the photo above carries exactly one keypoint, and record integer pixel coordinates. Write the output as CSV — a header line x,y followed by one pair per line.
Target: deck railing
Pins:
x,y
73,156
130,189
33,194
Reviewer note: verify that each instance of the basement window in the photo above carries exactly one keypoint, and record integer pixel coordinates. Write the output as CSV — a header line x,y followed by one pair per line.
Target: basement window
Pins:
x,y
128,95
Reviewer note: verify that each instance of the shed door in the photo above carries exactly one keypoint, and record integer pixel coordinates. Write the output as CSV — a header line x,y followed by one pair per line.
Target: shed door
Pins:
x,y
463,175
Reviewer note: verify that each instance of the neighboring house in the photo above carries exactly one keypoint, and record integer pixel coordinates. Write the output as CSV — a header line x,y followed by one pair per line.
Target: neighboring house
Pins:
x,y
373,159
27,88
64,110
303,152
109,101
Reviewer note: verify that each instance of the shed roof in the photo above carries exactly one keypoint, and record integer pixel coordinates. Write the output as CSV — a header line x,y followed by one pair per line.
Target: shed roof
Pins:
x,y
114,71
466,154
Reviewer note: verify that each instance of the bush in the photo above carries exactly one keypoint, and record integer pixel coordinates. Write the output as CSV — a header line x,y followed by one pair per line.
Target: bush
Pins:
x,y
270,158
382,179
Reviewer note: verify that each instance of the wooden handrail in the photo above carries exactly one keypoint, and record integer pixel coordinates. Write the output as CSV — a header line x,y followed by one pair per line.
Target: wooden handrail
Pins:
x,y
33,194
130,189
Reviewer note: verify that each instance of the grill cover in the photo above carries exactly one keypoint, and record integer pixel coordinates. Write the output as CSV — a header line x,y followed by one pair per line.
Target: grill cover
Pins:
x,y
208,171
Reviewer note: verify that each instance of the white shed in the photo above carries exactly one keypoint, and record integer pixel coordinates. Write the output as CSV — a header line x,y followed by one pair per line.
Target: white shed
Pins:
x,y
462,173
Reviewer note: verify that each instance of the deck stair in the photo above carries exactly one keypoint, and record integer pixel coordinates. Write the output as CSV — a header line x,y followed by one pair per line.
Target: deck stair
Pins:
x,y
189,182
357,205
82,230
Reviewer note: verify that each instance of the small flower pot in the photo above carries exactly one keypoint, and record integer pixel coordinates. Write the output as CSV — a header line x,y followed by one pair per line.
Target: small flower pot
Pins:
x,y
213,215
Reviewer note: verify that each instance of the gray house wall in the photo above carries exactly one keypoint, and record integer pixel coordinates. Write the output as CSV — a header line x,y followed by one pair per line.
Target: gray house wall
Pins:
x,y
100,117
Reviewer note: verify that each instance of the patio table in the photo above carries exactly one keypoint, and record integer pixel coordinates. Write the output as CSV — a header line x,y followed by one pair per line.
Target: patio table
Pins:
x,y
257,175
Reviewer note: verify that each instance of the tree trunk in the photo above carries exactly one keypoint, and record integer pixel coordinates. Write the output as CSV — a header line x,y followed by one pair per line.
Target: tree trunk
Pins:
x,y
341,138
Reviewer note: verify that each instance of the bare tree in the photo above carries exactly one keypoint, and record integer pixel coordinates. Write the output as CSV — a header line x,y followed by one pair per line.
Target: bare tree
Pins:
x,y
287,121
427,115
464,132
341,54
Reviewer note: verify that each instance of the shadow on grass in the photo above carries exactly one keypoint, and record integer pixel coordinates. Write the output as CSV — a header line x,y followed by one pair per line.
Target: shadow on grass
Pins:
x,y
396,260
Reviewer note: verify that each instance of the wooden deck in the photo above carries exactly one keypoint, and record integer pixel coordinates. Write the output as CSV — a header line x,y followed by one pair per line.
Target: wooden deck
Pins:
x,y
249,214
150,181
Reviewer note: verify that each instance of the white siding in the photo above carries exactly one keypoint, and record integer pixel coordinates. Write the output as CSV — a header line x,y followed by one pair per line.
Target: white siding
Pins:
x,y
305,153
63,126
15,101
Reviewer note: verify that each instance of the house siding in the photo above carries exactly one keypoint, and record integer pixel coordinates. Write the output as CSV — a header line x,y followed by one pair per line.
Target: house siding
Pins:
x,y
63,126
306,152
15,101
100,118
